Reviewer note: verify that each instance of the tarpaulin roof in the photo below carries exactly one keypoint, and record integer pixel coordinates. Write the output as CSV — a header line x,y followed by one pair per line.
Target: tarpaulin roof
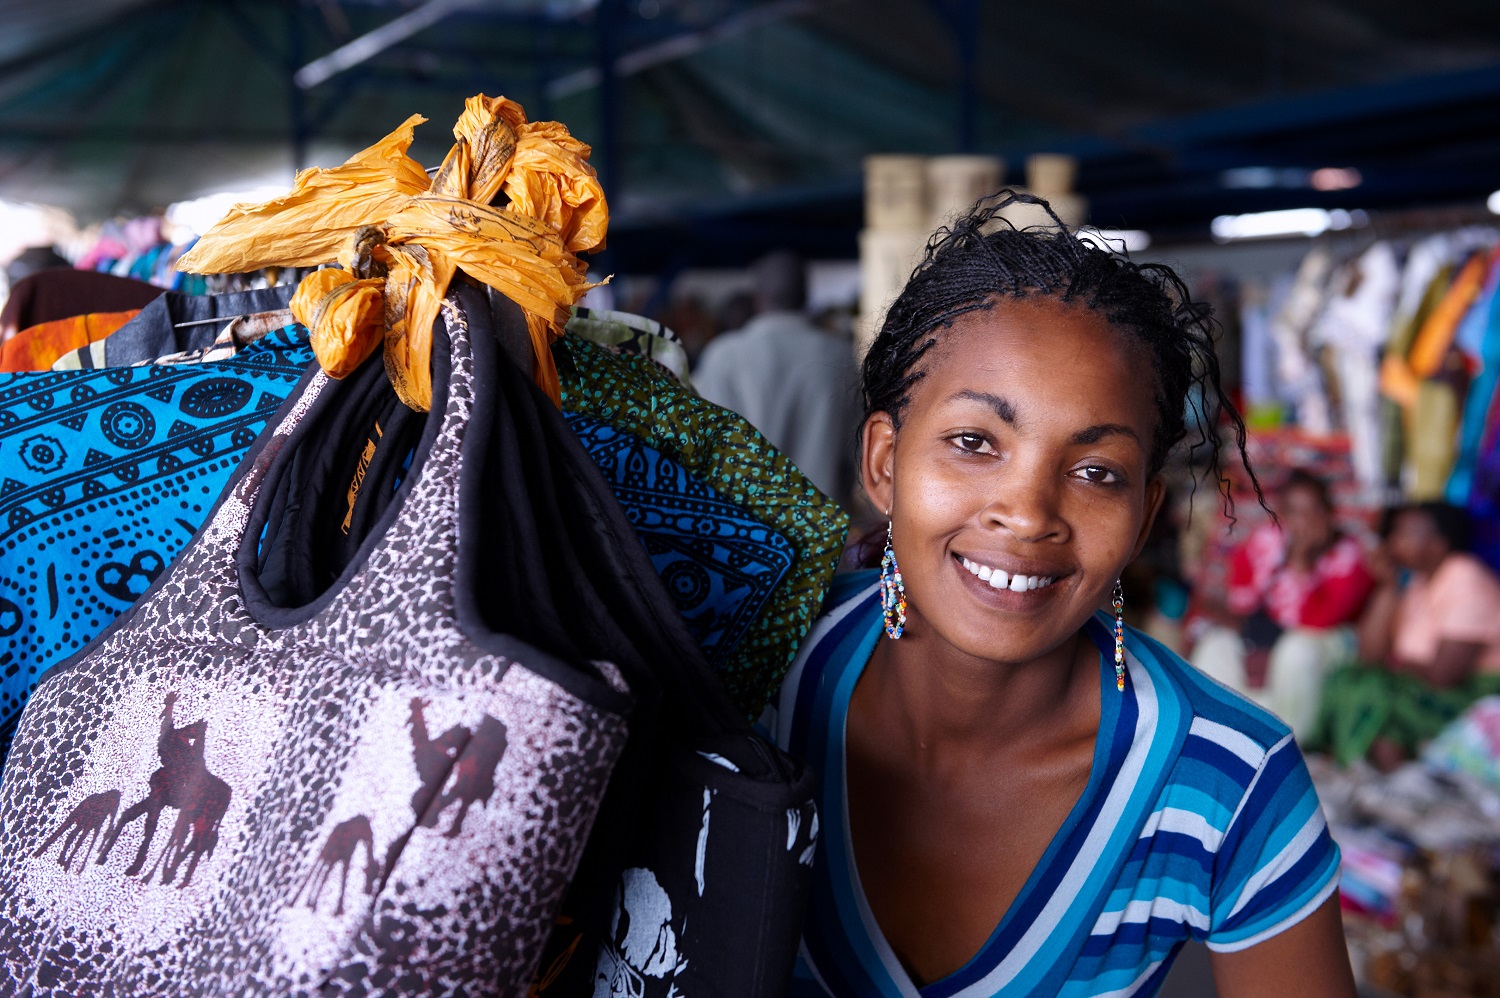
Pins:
x,y
721,126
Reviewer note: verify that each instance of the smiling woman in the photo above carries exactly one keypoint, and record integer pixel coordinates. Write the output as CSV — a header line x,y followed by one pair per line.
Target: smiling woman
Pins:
x,y
1021,796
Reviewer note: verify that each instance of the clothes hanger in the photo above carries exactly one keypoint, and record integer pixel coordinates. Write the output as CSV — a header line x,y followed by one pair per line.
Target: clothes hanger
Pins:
x,y
228,318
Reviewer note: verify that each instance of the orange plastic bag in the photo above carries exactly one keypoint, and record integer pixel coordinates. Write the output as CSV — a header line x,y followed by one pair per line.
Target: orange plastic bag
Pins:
x,y
400,239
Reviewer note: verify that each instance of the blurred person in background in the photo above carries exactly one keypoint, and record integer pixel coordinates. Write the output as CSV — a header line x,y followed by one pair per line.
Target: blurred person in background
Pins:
x,y
793,381
1294,593
735,312
28,262
31,260
1429,643
690,318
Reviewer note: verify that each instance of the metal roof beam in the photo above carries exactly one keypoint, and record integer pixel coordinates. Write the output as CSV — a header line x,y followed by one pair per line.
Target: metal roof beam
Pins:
x,y
677,46
367,46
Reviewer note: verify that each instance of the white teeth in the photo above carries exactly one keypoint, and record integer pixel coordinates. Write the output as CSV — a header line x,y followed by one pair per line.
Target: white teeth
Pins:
x,y
1001,579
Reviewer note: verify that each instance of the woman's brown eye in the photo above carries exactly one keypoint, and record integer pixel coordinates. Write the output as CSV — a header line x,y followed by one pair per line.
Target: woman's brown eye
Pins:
x,y
970,441
1096,474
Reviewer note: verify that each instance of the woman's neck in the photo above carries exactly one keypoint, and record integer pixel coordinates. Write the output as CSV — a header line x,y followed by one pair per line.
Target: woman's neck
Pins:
x,y
934,696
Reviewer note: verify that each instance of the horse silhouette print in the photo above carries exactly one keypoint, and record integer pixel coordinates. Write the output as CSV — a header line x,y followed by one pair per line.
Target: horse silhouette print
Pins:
x,y
184,783
461,759
470,758
473,775
92,818
339,850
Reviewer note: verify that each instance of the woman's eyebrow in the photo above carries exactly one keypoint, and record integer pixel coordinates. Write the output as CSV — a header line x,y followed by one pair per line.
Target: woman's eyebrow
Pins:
x,y
1006,411
1096,433
1001,407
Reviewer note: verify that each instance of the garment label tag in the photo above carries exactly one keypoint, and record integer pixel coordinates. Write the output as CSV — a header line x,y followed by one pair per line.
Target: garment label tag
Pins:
x,y
359,477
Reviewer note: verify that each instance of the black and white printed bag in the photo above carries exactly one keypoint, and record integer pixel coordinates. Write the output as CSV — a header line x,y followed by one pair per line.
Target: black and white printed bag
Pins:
x,y
369,793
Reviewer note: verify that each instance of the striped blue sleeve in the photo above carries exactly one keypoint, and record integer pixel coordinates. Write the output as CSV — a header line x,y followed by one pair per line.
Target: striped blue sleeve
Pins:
x,y
1277,862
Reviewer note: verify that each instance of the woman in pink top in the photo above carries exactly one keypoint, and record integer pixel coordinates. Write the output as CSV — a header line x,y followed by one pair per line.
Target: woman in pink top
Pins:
x,y
1430,641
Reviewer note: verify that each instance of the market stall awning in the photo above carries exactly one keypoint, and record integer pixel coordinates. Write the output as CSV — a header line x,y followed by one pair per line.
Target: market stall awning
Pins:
x,y
731,118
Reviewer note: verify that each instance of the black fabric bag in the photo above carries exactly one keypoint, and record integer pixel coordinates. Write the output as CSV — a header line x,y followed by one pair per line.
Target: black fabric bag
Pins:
x,y
697,873
695,880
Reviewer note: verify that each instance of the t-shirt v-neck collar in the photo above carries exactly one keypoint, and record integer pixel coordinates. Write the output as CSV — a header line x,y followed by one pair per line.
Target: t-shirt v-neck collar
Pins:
x,y
1103,822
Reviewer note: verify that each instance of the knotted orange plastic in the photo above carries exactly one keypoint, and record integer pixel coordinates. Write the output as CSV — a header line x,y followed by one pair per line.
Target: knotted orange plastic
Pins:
x,y
400,239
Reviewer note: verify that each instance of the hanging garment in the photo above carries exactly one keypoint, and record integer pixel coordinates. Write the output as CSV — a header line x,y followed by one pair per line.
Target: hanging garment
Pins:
x,y
174,323
624,332
1435,337
1399,386
106,476
1469,336
1425,281
62,292
725,452
1479,338
1257,349
383,734
1444,375
40,346
1432,444
1355,324
1424,263
1296,368
1484,494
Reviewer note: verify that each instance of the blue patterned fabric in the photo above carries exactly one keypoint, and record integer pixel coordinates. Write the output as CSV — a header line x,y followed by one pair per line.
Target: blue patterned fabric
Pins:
x,y
1199,821
104,477
719,564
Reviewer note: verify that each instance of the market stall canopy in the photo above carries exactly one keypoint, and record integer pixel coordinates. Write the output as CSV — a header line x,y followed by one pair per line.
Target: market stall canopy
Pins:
x,y
720,125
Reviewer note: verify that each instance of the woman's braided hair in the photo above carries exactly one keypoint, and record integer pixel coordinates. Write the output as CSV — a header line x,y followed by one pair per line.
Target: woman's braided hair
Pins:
x,y
982,257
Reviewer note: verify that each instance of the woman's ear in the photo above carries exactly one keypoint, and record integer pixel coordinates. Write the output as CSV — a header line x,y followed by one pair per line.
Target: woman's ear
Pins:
x,y
1156,492
878,458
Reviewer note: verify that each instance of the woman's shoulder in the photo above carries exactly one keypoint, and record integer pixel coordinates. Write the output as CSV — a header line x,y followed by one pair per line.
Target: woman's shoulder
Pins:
x,y
1238,797
1462,570
840,639
849,586
850,614
1265,543
1215,711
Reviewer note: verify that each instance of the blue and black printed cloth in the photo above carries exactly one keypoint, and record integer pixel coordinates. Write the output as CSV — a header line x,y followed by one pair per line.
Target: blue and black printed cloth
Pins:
x,y
104,477
719,564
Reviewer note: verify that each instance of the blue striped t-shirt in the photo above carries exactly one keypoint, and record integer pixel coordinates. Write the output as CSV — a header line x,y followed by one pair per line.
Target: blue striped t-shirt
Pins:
x,y
1199,821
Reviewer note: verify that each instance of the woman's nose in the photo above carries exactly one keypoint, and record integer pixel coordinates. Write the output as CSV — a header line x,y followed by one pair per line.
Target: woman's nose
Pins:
x,y
1029,507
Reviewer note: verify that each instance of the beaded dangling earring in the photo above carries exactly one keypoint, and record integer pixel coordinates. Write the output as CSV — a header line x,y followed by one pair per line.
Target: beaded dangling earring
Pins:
x,y
1119,605
892,591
